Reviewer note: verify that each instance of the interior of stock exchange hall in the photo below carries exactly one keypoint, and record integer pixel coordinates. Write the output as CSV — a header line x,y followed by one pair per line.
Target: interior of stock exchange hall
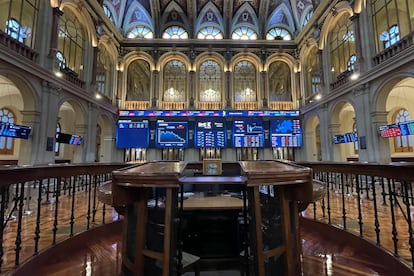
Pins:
x,y
206,138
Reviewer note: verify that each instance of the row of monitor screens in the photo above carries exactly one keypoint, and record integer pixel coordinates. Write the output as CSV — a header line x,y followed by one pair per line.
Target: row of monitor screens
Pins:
x,y
208,133
400,129
14,131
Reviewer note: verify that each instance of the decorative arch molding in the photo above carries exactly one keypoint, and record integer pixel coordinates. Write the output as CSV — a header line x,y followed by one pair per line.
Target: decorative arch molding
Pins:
x,y
306,49
274,23
127,60
254,24
332,19
166,23
136,55
336,107
129,22
210,56
288,59
31,100
167,57
77,106
380,96
84,18
108,122
304,14
255,60
359,5
200,23
107,42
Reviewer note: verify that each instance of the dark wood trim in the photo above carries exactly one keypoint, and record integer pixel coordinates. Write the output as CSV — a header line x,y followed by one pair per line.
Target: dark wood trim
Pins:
x,y
66,247
394,265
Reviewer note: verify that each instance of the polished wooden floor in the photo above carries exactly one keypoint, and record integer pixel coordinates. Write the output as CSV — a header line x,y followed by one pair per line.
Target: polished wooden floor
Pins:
x,y
321,256
102,256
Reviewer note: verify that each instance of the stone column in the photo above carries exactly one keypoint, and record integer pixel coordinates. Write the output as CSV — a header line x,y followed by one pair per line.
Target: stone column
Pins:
x,y
26,156
156,89
326,139
192,82
380,146
358,48
335,150
57,13
227,89
48,115
363,124
264,89
82,153
44,25
120,99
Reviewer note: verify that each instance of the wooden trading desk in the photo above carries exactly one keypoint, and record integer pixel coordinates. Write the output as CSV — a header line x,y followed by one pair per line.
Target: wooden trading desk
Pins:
x,y
219,202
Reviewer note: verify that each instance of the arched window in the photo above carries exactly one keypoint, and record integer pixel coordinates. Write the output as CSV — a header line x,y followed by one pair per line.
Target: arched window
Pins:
x,y
175,81
138,81
342,46
391,36
210,81
402,143
351,63
278,34
57,144
108,13
307,18
210,33
103,72
244,33
391,20
140,32
61,60
19,19
244,82
280,87
71,41
313,75
7,143
175,32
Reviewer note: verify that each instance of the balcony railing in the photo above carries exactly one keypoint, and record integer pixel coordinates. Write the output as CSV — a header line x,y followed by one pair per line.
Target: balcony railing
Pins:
x,y
16,46
245,105
210,105
281,105
374,202
391,51
72,77
31,207
173,105
137,105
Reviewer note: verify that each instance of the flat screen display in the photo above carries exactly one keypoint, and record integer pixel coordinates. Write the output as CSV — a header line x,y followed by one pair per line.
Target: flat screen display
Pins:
x,y
131,134
406,128
390,131
285,133
15,131
71,139
248,134
171,134
349,137
210,134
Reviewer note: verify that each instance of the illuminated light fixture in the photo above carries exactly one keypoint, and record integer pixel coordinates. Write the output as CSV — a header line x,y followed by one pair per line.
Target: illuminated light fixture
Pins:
x,y
354,76
333,69
58,74
98,96
318,97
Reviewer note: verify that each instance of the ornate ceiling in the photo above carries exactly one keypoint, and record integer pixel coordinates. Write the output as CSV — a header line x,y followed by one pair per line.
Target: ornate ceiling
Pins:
x,y
225,15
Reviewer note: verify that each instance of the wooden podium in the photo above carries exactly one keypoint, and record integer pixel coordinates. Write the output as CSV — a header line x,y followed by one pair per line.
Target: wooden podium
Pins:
x,y
152,195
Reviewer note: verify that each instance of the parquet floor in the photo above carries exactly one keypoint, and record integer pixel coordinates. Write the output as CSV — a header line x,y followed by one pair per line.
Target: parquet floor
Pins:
x,y
102,256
